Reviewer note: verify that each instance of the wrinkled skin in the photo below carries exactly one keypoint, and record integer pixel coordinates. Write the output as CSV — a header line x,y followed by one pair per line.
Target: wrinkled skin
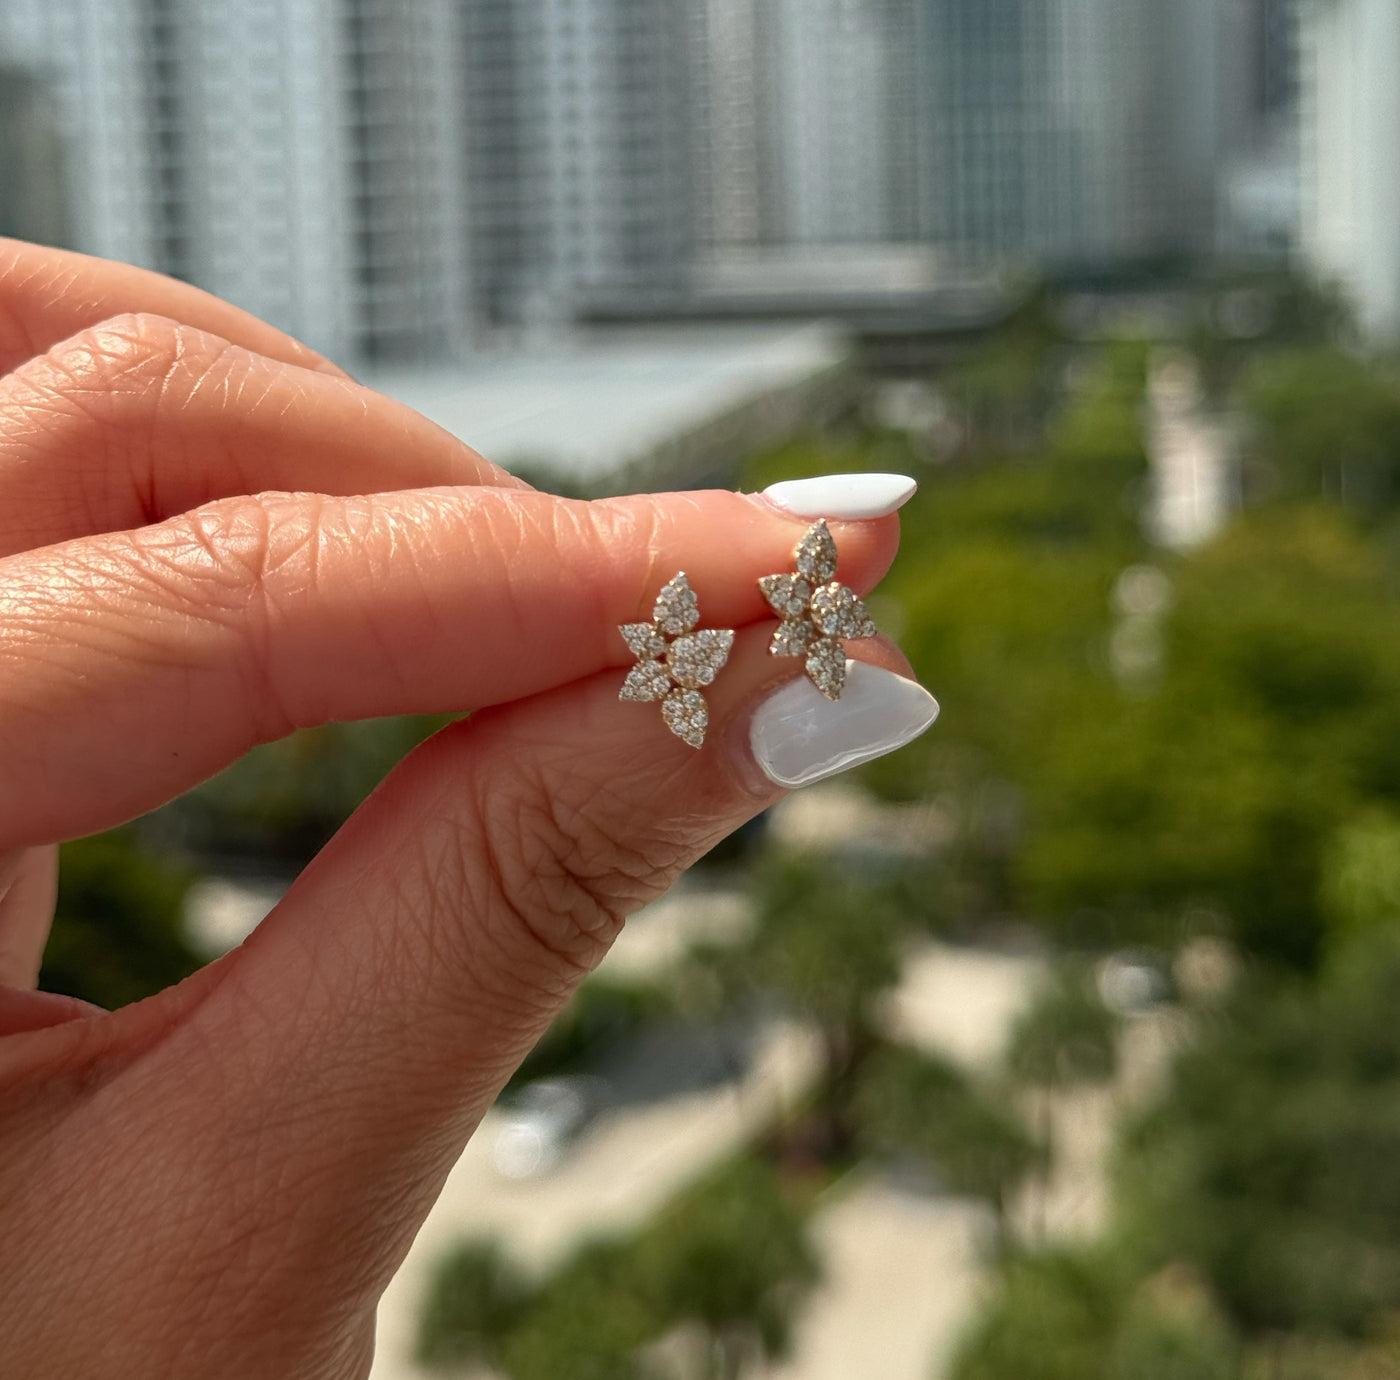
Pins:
x,y
208,537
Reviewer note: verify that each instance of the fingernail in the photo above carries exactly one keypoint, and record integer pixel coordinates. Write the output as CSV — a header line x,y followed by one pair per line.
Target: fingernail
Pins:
x,y
799,736
842,496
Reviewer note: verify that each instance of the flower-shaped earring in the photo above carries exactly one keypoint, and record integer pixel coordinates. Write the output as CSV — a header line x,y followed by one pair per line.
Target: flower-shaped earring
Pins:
x,y
674,661
817,613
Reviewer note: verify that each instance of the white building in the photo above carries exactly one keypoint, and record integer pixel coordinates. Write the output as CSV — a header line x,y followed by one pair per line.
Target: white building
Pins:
x,y
830,64
299,157
1350,78
580,153
1077,129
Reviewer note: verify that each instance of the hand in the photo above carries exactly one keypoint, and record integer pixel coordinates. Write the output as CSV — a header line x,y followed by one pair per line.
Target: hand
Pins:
x,y
210,537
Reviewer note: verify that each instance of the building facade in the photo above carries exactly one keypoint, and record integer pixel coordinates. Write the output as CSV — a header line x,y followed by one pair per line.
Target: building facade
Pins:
x,y
580,154
301,158
1349,68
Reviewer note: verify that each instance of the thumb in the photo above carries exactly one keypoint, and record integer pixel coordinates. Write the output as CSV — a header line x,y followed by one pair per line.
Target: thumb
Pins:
x,y
327,1074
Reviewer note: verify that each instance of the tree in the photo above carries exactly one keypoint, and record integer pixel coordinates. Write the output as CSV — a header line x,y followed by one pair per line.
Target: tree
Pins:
x,y
475,1302
1271,1164
1066,1036
581,1328
1329,423
733,1255
1053,1318
117,933
912,1104
1086,1315
825,945
1361,873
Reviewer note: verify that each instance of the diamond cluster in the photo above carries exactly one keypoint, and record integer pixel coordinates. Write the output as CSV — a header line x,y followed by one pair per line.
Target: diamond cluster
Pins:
x,y
674,661
817,613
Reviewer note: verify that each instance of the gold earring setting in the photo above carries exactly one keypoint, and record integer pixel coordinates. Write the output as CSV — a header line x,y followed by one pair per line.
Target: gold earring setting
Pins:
x,y
674,661
818,614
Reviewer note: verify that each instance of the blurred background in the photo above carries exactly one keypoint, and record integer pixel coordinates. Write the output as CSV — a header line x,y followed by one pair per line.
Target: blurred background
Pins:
x,y
1064,1044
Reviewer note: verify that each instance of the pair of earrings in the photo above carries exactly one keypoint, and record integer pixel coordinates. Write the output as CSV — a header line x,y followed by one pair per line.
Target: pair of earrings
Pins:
x,y
675,661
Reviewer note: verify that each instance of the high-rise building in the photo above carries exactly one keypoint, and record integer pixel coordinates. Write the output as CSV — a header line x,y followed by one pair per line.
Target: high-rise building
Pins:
x,y
91,55
734,163
580,150
1349,53
807,120
299,157
828,65
1074,129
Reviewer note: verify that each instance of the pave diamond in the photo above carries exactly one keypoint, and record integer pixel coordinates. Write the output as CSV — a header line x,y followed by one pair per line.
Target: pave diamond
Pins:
x,y
787,595
826,665
686,715
816,554
792,637
677,609
647,680
644,640
695,659
838,612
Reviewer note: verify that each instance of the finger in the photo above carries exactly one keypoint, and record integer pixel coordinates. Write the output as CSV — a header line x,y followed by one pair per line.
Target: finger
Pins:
x,y
327,1074
23,1010
28,887
138,418
47,295
142,662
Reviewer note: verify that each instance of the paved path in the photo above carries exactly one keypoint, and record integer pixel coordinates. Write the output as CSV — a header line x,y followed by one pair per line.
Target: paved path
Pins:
x,y
902,1278
1190,457
960,1002
620,1172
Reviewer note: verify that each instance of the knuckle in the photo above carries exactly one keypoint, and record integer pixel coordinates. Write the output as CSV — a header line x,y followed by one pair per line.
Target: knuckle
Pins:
x,y
134,357
230,566
550,846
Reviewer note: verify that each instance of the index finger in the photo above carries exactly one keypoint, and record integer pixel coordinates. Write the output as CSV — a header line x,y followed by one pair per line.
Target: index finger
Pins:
x,y
138,663
47,295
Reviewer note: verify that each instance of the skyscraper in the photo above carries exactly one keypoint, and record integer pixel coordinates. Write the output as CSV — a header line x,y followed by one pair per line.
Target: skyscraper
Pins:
x,y
1349,54
829,65
580,150
1074,129
299,157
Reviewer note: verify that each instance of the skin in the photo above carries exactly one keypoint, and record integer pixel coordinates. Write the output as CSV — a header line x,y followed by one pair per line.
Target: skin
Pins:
x,y
209,537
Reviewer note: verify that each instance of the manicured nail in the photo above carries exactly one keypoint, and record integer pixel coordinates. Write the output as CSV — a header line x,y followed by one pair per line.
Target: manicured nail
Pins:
x,y
799,736
842,496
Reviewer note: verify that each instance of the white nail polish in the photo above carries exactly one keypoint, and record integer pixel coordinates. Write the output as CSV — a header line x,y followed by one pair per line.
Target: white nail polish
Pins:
x,y
842,496
799,736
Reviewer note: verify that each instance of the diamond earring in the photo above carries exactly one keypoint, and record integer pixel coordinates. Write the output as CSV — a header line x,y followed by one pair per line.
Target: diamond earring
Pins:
x,y
674,661
817,613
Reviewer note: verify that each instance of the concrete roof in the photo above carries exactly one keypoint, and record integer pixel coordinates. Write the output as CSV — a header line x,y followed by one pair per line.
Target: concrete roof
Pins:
x,y
589,405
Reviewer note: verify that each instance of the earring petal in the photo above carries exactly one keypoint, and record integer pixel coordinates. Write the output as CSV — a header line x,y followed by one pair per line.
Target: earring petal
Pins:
x,y
792,637
646,681
816,554
695,659
787,595
826,666
643,640
677,609
686,715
